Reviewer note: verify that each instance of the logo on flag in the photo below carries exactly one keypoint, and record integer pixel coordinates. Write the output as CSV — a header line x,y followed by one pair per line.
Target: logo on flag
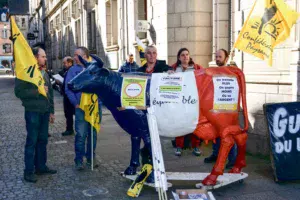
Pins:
x,y
89,104
26,63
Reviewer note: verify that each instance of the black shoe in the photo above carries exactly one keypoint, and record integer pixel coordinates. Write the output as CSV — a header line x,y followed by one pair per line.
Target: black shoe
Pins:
x,y
45,171
79,165
66,133
89,163
211,159
30,177
229,165
131,170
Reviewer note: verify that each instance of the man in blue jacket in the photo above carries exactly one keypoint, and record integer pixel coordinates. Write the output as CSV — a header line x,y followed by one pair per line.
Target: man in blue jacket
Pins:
x,y
82,127
129,65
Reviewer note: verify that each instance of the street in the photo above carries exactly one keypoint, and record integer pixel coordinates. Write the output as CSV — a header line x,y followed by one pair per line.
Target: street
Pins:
x,y
113,156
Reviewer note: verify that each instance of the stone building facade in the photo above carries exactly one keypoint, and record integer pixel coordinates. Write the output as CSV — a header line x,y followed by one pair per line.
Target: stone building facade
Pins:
x,y
109,27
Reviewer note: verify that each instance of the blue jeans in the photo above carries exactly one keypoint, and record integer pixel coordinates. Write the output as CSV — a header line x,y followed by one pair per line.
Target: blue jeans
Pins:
x,y
232,154
83,131
37,126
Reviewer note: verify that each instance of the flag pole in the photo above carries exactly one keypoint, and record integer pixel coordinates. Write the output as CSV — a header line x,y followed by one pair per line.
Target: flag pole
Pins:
x,y
92,149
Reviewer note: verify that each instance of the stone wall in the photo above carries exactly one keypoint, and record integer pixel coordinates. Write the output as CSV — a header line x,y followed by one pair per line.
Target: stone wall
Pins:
x,y
190,25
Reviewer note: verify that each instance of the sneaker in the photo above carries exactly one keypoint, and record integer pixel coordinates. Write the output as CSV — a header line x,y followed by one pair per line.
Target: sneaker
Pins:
x,y
211,159
178,151
79,165
130,170
89,163
196,151
66,133
45,171
30,177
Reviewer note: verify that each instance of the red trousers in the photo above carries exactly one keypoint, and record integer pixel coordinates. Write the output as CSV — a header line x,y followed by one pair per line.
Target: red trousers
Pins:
x,y
194,140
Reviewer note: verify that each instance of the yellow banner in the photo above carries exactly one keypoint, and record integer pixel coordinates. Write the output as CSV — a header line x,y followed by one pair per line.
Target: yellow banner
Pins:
x,y
268,24
89,104
141,49
26,66
133,92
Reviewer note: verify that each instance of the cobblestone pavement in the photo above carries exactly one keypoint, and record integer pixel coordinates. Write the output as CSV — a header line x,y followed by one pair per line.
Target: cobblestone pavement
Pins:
x,y
113,153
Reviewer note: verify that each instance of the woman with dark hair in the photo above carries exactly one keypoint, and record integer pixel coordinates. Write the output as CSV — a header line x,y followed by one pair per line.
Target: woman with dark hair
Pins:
x,y
184,64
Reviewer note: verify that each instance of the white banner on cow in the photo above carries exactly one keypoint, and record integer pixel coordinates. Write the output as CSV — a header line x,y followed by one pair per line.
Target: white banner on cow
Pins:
x,y
226,93
170,88
175,103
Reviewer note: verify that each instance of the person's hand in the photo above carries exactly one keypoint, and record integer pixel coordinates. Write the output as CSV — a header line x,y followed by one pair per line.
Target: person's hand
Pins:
x,y
46,89
51,118
77,106
171,71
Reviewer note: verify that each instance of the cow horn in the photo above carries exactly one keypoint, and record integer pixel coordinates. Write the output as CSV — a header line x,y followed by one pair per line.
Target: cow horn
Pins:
x,y
98,60
84,62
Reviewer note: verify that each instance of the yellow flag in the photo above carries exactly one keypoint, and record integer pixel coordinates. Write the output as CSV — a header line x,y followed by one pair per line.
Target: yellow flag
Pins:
x,y
26,66
141,49
89,104
268,24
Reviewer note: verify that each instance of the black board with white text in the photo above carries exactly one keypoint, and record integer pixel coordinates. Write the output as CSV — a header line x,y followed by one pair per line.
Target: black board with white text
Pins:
x,y
283,121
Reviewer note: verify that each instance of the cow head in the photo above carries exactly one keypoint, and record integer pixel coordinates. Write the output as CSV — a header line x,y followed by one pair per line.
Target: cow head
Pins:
x,y
88,80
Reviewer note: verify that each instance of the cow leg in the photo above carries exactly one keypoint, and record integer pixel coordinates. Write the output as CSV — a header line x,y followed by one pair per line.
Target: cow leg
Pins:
x,y
240,162
135,155
146,153
226,144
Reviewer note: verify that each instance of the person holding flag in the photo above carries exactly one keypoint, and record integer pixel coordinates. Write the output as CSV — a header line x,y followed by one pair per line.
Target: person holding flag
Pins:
x,y
33,87
88,115
39,110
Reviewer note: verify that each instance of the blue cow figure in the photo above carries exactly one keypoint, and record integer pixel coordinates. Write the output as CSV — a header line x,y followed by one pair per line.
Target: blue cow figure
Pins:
x,y
107,85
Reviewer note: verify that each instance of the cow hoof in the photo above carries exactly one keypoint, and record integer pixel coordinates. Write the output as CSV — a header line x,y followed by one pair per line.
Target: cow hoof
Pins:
x,y
210,180
130,170
235,170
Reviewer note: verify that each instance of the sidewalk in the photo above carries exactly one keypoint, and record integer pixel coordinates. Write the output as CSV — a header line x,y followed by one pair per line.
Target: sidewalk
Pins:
x,y
113,155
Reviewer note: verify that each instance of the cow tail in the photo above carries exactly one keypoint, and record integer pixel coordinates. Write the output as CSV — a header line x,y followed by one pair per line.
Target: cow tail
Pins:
x,y
242,85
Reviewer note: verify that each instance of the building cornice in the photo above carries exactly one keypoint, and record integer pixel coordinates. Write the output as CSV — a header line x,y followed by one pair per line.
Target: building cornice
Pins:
x,y
56,7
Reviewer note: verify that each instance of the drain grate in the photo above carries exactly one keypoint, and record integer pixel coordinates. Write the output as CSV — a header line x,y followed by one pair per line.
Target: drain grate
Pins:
x,y
94,192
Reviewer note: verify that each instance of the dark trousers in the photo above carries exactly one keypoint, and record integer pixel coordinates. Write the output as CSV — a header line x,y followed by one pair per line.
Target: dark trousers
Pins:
x,y
195,141
232,153
37,126
69,111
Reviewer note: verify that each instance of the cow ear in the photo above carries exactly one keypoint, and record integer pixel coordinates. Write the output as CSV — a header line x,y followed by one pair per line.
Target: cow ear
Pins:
x,y
84,62
104,72
98,60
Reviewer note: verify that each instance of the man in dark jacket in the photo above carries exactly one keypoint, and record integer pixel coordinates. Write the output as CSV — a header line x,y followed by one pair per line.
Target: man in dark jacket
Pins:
x,y
39,110
129,66
69,109
153,65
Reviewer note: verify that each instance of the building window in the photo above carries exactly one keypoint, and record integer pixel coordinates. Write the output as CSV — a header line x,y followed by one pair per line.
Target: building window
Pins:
x,y
65,16
51,27
78,32
75,9
6,48
4,33
92,31
111,22
57,22
67,41
142,15
59,43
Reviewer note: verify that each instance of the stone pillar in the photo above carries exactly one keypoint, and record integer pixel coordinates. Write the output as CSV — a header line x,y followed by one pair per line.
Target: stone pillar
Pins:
x,y
190,26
